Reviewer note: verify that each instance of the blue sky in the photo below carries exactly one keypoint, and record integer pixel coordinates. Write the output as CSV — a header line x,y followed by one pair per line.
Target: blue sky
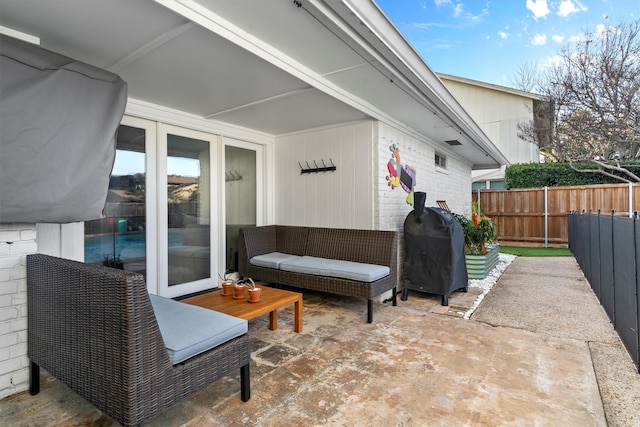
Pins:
x,y
489,40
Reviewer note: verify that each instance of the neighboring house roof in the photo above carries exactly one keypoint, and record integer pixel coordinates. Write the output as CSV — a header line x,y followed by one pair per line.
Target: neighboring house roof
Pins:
x,y
494,175
275,67
181,180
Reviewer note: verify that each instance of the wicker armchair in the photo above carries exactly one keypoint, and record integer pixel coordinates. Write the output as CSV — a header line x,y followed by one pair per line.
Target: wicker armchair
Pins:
x,y
94,329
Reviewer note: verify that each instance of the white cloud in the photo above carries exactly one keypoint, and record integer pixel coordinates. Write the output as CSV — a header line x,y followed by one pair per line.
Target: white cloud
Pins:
x,y
567,7
539,40
539,8
441,2
426,25
550,62
577,38
503,35
557,38
458,10
602,30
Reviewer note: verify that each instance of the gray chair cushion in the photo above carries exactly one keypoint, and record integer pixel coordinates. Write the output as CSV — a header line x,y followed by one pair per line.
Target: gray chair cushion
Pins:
x,y
272,259
336,268
188,330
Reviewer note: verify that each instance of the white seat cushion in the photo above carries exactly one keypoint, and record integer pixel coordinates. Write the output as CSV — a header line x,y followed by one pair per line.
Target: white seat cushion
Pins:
x,y
336,268
188,330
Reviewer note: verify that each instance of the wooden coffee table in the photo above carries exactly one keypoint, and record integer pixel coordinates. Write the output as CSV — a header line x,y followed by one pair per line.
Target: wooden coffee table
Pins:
x,y
272,300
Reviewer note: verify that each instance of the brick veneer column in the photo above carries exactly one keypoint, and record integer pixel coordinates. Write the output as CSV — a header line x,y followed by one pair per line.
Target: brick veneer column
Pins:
x,y
16,241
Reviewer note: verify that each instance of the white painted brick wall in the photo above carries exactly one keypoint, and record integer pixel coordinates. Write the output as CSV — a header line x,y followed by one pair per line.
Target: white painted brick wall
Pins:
x,y
16,241
452,185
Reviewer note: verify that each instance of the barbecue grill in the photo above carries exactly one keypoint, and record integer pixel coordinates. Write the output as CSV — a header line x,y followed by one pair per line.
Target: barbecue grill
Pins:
x,y
434,259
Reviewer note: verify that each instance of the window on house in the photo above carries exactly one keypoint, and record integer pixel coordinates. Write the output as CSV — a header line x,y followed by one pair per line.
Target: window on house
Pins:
x,y
441,161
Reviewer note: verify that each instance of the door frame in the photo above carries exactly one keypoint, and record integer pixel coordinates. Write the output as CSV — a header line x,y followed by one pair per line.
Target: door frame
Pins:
x,y
259,151
215,166
149,116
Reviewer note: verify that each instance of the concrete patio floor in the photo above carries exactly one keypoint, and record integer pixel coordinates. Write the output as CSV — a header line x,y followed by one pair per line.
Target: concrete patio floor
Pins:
x,y
538,351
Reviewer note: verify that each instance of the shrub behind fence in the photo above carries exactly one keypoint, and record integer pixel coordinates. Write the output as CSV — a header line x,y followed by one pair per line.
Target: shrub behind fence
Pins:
x,y
607,248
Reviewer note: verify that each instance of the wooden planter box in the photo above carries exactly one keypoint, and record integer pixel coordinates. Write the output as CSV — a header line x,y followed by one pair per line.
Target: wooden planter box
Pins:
x,y
479,266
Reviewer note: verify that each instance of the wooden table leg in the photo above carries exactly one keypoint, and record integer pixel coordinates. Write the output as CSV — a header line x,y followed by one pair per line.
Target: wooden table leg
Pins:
x,y
297,322
273,320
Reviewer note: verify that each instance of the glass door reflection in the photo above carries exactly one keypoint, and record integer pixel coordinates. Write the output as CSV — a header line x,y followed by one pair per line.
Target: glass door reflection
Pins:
x,y
119,239
189,209
240,197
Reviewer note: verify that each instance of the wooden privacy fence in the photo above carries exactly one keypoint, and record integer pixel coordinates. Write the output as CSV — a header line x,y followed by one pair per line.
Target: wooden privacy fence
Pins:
x,y
538,216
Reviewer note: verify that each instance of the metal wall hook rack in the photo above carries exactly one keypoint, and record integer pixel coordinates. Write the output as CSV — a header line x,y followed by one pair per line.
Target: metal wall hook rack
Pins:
x,y
233,175
317,168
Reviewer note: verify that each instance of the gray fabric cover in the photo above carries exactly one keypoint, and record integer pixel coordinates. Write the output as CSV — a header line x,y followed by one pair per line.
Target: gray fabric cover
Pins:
x,y
58,121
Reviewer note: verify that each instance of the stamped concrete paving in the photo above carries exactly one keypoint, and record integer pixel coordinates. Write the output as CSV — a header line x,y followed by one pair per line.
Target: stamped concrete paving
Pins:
x,y
418,364
559,303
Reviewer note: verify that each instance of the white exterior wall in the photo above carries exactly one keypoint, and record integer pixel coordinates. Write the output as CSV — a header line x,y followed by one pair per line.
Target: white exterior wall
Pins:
x,y
498,114
452,184
357,194
16,241
339,199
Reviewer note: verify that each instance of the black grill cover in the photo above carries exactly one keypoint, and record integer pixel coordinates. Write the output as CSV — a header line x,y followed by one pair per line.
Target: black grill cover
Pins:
x,y
434,253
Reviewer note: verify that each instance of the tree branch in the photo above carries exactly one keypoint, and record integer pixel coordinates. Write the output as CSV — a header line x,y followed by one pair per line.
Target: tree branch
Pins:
x,y
600,171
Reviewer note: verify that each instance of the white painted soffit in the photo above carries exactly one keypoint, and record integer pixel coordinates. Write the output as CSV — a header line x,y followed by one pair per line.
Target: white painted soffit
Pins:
x,y
217,24
374,26
484,155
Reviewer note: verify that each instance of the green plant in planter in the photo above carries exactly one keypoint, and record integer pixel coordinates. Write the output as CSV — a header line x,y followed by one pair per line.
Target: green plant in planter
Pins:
x,y
479,231
249,283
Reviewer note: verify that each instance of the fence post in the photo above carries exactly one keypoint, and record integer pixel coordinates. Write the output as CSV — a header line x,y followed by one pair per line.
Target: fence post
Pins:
x,y
546,217
613,247
637,302
630,199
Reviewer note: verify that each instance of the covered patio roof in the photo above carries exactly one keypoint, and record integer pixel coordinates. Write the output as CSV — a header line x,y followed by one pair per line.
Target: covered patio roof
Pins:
x,y
275,67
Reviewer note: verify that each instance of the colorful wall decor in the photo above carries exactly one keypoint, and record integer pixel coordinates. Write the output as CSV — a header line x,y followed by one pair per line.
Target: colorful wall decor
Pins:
x,y
400,175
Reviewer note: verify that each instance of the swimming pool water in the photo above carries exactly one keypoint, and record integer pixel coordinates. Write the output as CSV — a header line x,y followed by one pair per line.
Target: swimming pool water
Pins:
x,y
128,245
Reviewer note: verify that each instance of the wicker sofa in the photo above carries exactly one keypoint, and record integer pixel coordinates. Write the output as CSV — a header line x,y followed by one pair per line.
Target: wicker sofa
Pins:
x,y
360,249
98,331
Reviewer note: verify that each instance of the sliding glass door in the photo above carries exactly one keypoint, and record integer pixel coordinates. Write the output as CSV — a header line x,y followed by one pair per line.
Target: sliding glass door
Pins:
x,y
177,199
188,211
242,198
125,238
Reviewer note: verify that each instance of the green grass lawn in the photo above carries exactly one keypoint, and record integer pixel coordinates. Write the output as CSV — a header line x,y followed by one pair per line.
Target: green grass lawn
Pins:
x,y
522,251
